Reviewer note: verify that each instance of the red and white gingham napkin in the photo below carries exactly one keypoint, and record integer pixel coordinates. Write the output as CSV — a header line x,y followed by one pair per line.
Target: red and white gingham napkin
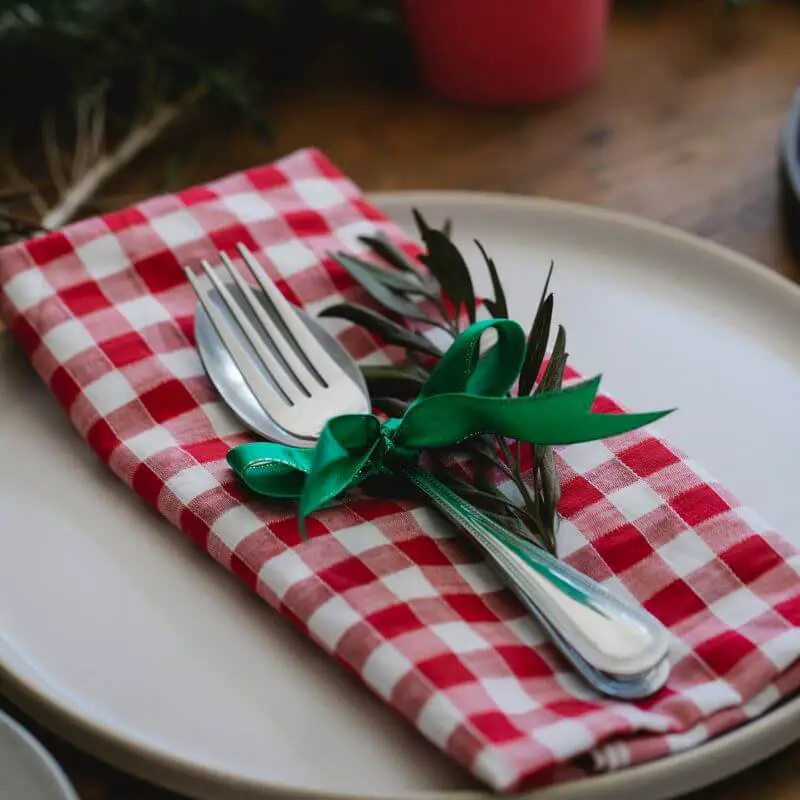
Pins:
x,y
105,314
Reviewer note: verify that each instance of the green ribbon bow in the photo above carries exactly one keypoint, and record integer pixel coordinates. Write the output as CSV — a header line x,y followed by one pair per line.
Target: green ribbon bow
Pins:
x,y
465,395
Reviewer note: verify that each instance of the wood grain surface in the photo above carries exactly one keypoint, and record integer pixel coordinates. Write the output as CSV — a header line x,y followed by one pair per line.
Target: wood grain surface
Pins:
x,y
682,128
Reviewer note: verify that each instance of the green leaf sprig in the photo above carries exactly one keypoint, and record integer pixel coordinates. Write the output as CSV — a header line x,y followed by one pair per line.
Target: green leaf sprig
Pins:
x,y
441,279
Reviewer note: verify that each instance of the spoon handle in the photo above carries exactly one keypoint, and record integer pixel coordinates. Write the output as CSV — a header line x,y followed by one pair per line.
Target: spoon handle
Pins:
x,y
617,643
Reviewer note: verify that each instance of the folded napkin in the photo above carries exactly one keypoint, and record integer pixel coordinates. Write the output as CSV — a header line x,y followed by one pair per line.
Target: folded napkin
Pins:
x,y
386,587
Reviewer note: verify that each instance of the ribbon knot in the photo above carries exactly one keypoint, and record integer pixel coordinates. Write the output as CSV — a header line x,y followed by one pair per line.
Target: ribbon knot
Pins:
x,y
465,395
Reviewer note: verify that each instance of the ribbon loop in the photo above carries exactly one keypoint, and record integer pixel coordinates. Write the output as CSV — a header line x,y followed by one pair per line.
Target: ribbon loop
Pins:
x,y
462,369
465,395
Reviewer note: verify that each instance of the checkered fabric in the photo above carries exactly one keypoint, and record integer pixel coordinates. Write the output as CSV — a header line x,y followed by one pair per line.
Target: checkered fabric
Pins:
x,y
386,587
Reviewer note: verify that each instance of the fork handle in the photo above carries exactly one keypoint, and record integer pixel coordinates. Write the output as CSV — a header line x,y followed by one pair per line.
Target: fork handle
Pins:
x,y
584,620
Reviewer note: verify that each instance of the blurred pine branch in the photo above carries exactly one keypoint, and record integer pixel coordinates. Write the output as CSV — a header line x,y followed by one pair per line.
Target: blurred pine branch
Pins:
x,y
97,81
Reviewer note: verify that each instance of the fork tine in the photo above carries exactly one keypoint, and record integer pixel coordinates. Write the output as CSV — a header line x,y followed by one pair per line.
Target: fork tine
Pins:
x,y
275,368
306,341
268,398
291,359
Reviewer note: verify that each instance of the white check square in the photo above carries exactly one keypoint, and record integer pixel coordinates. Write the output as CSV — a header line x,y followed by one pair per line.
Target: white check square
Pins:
x,y
234,525
183,363
177,228
110,392
290,257
566,738
360,538
319,193
284,571
409,584
782,650
221,419
713,696
570,539
385,667
249,206
686,553
150,442
68,339
760,702
191,483
143,311
103,256
349,236
27,289
586,456
509,696
331,621
438,719
635,501
460,637
492,766
739,607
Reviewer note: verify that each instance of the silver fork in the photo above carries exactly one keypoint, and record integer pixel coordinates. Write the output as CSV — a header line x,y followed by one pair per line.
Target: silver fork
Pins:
x,y
303,386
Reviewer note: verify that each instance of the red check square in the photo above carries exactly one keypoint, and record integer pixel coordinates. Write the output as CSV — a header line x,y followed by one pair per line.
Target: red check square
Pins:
x,y
647,457
699,504
168,400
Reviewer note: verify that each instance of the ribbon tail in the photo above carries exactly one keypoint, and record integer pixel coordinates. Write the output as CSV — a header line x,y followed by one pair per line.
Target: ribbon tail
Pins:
x,y
553,418
593,427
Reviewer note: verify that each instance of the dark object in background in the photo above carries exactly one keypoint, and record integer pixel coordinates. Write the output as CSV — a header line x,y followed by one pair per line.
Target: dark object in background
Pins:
x,y
790,174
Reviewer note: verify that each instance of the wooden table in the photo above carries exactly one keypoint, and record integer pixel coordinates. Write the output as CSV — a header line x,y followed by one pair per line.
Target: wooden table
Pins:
x,y
682,128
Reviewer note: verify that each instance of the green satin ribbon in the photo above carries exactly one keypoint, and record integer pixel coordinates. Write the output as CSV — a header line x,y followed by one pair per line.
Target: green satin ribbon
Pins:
x,y
465,395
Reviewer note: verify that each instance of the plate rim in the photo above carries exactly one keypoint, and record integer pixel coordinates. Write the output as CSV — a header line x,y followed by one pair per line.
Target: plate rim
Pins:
x,y
46,759
477,198
181,774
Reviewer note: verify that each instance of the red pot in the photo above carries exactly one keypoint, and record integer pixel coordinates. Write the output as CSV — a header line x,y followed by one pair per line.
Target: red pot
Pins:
x,y
507,52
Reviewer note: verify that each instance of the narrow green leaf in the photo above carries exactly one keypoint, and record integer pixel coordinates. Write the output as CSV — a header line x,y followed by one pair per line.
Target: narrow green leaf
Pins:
x,y
448,267
498,307
551,488
395,257
398,281
554,373
546,287
387,251
549,495
483,446
393,381
482,481
389,298
536,346
420,222
488,501
447,228
390,406
389,330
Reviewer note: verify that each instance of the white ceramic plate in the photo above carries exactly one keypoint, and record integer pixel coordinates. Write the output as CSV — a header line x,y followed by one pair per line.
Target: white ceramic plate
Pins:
x,y
27,770
119,634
